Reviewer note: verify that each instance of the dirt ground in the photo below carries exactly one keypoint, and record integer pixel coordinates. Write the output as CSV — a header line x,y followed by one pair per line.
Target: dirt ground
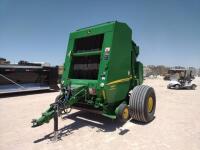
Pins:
x,y
176,125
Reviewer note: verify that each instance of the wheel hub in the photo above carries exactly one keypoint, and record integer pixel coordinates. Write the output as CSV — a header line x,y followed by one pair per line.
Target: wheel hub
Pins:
x,y
125,113
150,104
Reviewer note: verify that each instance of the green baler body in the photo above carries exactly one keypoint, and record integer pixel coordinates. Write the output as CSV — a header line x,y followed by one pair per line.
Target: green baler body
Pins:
x,y
102,58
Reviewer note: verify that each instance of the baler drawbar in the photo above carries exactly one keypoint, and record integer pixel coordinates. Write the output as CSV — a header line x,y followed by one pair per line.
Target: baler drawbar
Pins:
x,y
61,106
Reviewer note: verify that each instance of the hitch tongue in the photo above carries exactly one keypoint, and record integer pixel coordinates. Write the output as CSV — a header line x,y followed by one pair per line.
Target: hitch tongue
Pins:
x,y
45,118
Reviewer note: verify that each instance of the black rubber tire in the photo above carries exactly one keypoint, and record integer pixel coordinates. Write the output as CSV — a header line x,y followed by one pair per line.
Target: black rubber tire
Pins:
x,y
138,103
177,87
120,115
168,86
193,86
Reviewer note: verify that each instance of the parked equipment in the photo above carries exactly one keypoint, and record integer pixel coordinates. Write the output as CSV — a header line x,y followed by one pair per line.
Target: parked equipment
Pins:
x,y
102,75
26,76
173,73
182,80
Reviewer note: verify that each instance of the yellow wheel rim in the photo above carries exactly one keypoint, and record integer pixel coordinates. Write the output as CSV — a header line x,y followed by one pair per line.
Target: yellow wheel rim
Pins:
x,y
150,104
125,113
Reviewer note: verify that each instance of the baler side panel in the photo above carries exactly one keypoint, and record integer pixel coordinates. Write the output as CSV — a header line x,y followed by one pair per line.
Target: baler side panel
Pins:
x,y
119,58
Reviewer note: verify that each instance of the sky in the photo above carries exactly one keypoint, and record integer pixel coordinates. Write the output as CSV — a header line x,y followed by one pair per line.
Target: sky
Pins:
x,y
167,31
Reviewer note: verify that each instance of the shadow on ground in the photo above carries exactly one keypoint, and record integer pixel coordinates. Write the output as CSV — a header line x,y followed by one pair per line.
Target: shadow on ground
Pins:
x,y
95,121
82,119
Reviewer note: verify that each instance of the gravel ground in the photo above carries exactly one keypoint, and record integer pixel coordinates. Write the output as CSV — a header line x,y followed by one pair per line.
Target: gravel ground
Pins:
x,y
176,125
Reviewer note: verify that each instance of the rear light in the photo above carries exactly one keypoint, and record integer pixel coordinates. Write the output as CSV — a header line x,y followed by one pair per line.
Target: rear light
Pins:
x,y
92,91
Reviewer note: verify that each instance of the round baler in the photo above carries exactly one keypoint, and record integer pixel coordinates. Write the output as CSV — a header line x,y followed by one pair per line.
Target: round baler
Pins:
x,y
102,75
